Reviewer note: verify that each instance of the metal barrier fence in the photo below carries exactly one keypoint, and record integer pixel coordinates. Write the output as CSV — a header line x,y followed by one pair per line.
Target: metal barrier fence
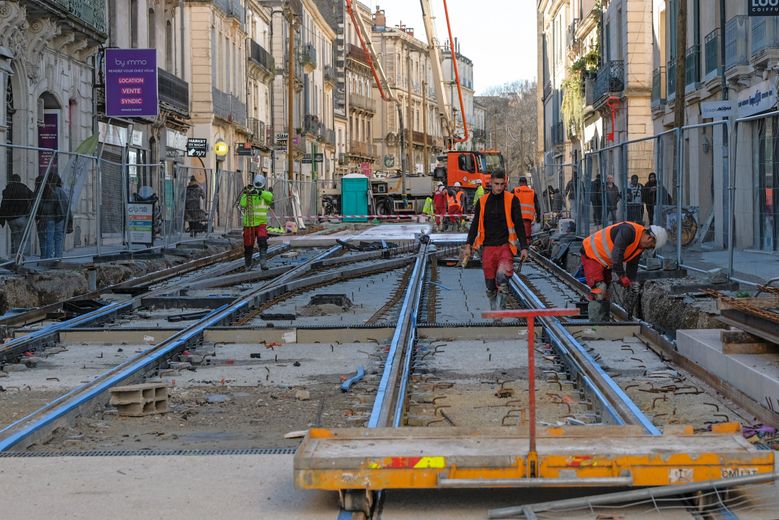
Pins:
x,y
76,205
298,202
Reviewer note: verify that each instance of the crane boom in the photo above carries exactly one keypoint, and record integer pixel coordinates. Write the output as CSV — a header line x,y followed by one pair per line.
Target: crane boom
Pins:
x,y
434,51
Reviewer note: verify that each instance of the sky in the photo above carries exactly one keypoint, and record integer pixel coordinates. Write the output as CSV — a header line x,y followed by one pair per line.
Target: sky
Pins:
x,y
499,36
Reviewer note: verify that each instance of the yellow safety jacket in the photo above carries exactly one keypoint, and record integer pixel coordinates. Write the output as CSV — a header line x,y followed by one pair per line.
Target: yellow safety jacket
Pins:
x,y
255,204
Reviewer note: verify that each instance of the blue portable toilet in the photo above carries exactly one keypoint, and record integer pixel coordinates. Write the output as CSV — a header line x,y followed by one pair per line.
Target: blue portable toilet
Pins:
x,y
354,197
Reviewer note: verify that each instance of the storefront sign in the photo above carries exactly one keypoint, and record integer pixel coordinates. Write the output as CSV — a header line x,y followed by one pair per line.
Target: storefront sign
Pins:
x,y
131,83
281,138
755,99
197,147
716,109
763,7
244,149
48,137
139,222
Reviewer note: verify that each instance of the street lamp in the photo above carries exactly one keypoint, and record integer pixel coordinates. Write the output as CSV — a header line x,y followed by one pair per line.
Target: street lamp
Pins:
x,y
220,151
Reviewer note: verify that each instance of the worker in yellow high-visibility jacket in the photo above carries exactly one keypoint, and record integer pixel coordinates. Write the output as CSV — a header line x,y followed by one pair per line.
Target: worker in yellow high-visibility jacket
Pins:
x,y
254,203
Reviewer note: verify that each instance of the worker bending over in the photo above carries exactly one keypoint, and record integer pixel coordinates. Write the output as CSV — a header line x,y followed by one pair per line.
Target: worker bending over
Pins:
x,y
528,201
615,248
254,203
493,230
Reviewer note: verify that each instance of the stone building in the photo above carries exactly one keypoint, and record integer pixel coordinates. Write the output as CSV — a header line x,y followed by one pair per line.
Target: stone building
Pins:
x,y
261,72
465,70
406,62
48,58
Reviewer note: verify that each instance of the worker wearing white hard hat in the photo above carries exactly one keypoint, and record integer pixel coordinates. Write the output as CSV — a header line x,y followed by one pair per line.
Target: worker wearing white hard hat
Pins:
x,y
456,202
255,202
616,249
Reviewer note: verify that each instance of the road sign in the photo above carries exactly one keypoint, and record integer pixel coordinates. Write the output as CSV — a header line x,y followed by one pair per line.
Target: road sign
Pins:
x,y
197,147
281,138
763,7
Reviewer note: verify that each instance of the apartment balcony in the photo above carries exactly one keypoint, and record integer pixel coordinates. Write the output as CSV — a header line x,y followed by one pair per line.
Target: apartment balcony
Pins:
x,y
362,103
765,40
736,43
308,57
589,91
547,89
356,53
610,80
228,107
261,59
327,135
329,75
362,149
88,16
711,52
259,134
173,93
658,87
232,8
419,138
311,125
298,72
558,133
692,72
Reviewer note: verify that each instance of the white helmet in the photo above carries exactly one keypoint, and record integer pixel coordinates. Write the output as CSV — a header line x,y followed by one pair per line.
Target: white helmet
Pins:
x,y
457,184
660,234
259,181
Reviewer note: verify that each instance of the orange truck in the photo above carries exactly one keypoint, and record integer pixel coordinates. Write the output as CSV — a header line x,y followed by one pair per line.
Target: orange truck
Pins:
x,y
467,167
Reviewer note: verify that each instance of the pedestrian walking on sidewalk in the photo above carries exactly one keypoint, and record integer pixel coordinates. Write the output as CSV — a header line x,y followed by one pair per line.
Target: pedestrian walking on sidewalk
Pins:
x,y
192,212
634,198
15,209
596,198
613,196
255,202
616,248
47,215
493,231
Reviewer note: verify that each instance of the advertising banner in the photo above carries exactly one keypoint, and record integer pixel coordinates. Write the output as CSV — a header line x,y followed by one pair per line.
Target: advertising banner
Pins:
x,y
763,7
131,83
139,222
48,137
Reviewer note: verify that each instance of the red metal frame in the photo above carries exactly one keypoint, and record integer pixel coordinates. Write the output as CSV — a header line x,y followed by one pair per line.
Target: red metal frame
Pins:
x,y
456,77
613,104
531,315
353,16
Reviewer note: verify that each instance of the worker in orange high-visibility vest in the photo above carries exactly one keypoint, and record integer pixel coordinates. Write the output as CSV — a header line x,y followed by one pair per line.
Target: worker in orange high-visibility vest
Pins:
x,y
528,201
455,202
615,248
493,230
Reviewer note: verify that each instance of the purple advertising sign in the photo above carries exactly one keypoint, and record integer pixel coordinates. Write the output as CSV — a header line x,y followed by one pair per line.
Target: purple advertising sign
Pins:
x,y
131,83
48,137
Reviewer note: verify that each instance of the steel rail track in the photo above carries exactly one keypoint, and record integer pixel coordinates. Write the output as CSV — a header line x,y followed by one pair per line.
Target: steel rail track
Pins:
x,y
14,348
614,401
42,421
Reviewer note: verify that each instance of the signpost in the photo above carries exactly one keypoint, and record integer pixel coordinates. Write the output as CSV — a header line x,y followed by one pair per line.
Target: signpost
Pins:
x,y
131,83
197,147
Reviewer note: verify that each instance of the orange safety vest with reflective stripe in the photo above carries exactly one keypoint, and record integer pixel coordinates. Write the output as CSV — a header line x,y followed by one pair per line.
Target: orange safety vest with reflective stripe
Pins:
x,y
456,200
600,247
527,198
513,240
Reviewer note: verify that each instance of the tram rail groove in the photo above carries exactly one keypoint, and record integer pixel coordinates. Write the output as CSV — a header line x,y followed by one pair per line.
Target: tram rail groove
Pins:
x,y
40,423
15,347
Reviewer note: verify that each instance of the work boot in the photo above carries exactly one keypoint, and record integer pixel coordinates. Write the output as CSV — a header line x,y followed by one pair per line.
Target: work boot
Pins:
x,y
493,296
264,258
247,258
501,299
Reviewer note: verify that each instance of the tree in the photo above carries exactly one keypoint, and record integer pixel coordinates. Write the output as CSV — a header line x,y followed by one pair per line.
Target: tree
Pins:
x,y
510,121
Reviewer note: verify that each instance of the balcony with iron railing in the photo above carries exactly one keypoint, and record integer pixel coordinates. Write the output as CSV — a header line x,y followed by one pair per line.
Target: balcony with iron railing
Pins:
x,y
547,89
232,8
329,74
419,138
711,52
257,128
658,86
736,38
327,135
589,91
308,57
90,14
362,149
311,124
765,38
356,53
261,57
363,103
610,79
228,107
173,92
692,64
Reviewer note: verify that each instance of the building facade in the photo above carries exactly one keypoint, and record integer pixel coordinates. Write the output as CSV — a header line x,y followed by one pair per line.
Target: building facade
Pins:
x,y
465,70
261,72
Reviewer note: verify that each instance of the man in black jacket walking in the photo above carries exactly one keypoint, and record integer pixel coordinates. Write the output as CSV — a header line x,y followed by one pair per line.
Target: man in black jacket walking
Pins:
x,y
15,209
